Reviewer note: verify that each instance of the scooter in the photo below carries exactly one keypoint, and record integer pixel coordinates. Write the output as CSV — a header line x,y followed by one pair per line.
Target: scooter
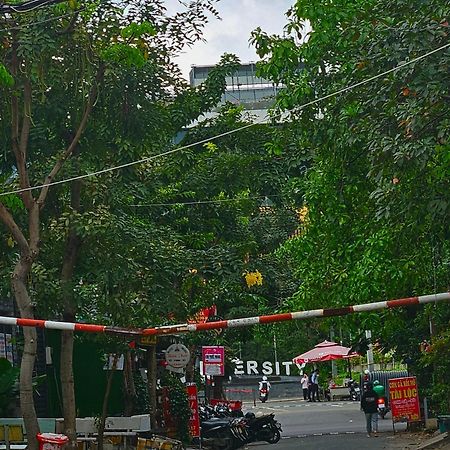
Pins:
x,y
382,409
263,394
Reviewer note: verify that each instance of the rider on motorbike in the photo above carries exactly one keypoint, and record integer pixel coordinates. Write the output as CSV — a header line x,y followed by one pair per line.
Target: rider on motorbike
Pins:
x,y
383,407
379,389
264,388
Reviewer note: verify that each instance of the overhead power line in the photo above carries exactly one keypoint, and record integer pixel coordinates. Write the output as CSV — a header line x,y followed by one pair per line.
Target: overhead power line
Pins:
x,y
205,202
31,5
40,22
227,133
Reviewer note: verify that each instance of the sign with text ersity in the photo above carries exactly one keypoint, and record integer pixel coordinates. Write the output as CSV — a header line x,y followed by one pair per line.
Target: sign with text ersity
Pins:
x,y
404,399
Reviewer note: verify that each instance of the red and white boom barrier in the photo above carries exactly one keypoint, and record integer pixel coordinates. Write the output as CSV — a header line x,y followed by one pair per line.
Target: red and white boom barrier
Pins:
x,y
232,323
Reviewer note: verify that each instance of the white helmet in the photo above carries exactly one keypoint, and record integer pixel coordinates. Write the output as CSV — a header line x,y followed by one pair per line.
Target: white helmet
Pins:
x,y
264,378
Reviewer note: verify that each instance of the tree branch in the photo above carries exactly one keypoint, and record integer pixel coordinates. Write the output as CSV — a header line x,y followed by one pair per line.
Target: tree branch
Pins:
x,y
19,144
69,28
12,226
81,127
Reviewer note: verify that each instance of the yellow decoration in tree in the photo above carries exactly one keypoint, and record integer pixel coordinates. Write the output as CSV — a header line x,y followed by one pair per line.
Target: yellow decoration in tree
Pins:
x,y
253,278
303,214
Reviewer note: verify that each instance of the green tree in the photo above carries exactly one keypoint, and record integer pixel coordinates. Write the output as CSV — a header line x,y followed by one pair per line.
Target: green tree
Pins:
x,y
374,191
122,77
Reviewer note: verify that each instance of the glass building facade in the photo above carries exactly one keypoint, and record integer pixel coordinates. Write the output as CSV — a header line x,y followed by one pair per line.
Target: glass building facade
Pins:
x,y
243,86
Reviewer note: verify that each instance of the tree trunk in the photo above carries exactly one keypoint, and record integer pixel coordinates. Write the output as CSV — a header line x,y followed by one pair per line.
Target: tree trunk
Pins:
x,y
129,387
23,301
101,426
68,388
151,384
21,124
66,365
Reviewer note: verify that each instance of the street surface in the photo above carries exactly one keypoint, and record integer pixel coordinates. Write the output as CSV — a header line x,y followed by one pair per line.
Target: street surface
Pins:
x,y
328,425
356,441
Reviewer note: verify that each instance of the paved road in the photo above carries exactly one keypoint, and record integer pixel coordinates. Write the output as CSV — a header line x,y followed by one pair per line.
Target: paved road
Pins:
x,y
355,441
299,418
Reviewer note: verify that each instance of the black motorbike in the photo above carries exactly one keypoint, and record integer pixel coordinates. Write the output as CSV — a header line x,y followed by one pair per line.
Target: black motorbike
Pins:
x,y
231,434
354,390
264,428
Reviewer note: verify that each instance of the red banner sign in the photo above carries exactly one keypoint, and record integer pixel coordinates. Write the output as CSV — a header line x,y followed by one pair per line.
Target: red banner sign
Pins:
x,y
404,399
194,421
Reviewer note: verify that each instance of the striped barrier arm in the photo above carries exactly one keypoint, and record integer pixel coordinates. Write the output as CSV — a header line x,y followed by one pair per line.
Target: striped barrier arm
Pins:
x,y
232,323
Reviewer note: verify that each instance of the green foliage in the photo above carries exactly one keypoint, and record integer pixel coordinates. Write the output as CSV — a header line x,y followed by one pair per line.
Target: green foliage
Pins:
x,y
436,360
179,404
142,402
8,386
125,55
376,200
135,30
6,79
12,202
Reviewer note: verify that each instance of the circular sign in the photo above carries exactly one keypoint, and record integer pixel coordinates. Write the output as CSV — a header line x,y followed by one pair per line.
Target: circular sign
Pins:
x,y
178,356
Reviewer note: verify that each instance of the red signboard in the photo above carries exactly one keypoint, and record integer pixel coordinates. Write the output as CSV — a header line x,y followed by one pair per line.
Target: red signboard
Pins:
x,y
194,421
213,358
203,315
404,399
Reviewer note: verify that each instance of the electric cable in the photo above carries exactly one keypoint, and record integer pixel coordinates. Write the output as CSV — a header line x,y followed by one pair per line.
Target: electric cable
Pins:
x,y
31,5
51,19
202,202
230,132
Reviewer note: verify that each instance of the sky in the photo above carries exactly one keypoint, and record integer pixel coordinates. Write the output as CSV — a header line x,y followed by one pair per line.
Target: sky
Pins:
x,y
232,33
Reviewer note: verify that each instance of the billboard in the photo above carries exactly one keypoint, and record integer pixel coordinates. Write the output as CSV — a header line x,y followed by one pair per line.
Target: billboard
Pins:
x,y
404,399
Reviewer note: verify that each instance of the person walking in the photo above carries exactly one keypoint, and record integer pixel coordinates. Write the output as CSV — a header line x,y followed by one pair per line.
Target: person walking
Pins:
x,y
305,384
310,386
369,405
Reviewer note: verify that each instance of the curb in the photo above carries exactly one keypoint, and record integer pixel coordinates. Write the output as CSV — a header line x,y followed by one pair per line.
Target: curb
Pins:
x,y
436,442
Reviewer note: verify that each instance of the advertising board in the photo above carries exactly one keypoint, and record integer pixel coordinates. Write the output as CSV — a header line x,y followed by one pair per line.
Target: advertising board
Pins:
x,y
404,399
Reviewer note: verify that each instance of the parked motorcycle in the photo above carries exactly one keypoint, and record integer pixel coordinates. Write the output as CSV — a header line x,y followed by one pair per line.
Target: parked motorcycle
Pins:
x,y
217,434
263,428
382,409
231,434
354,390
